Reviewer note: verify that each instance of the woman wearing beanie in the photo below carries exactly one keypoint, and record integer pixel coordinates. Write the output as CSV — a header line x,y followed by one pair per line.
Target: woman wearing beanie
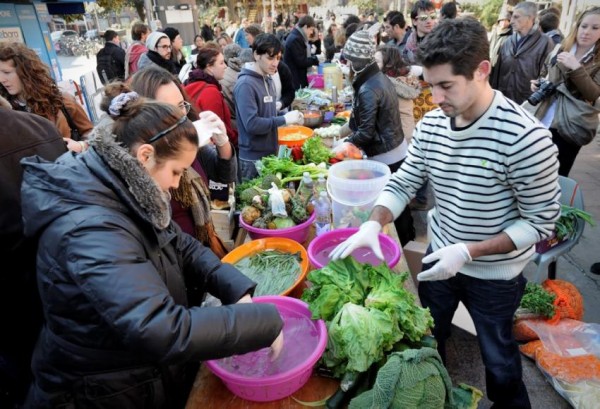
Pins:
x,y
177,56
159,53
375,125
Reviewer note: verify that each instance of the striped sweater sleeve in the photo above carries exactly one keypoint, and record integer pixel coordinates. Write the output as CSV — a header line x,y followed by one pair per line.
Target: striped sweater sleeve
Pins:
x,y
497,175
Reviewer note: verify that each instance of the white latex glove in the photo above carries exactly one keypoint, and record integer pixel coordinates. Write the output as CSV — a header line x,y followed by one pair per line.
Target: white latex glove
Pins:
x,y
450,260
208,126
366,236
278,105
294,117
277,347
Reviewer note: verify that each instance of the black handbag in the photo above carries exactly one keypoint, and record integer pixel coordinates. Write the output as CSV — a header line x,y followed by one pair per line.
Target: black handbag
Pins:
x,y
75,135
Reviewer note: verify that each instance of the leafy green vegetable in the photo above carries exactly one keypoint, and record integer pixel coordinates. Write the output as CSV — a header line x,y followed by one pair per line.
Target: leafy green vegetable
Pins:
x,y
416,378
274,271
290,171
315,151
367,311
566,225
359,336
537,300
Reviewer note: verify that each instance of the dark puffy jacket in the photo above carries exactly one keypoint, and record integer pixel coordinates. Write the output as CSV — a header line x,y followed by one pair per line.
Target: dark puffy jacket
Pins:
x,y
120,286
375,120
110,63
295,57
516,68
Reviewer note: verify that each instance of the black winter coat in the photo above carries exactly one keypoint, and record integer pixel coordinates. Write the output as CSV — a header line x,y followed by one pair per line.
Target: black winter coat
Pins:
x,y
116,277
295,57
375,120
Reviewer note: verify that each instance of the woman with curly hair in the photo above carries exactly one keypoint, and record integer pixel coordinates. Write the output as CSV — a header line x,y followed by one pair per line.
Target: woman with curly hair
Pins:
x,y
28,86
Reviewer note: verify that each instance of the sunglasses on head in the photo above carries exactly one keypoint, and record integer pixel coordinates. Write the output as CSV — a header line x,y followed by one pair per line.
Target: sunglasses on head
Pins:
x,y
430,16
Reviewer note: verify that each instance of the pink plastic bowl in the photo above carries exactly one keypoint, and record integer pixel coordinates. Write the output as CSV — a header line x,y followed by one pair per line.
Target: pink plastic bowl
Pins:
x,y
297,233
321,246
279,386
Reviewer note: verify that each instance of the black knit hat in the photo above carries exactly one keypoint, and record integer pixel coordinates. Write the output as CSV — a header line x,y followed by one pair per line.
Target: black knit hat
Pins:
x,y
171,32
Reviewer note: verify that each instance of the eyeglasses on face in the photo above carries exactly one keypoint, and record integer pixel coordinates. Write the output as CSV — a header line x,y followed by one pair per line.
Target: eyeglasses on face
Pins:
x,y
430,16
165,47
185,107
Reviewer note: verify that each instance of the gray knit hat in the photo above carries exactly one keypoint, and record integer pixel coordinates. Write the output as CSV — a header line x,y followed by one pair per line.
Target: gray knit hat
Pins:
x,y
153,39
231,50
360,48
246,55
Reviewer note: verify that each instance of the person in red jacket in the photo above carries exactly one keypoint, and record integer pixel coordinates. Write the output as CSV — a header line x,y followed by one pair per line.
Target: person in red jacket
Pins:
x,y
204,89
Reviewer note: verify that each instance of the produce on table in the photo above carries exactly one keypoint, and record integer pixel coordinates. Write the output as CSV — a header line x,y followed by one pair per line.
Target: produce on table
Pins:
x,y
314,151
259,210
296,136
288,170
274,271
416,379
331,131
367,311
348,150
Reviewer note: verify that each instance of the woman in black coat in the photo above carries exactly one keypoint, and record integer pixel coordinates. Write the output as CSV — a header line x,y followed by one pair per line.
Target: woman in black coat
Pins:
x,y
117,277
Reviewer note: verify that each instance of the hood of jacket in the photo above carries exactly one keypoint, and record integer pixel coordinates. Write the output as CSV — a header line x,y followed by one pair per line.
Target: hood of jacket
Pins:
x,y
106,175
407,87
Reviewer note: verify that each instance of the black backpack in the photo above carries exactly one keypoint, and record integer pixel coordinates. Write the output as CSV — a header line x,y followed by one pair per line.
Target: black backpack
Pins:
x,y
106,66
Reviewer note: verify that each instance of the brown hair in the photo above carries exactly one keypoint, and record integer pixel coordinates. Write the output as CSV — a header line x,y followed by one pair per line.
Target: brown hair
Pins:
x,y
147,81
141,119
40,92
207,56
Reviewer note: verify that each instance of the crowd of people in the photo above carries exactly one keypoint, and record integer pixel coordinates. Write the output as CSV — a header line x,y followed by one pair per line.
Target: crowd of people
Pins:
x,y
112,221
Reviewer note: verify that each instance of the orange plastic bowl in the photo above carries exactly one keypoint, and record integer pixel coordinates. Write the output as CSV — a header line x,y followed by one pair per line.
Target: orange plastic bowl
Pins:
x,y
272,243
284,131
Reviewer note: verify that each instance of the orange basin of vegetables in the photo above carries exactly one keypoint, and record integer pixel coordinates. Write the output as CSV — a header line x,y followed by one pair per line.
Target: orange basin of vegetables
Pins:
x,y
293,135
272,243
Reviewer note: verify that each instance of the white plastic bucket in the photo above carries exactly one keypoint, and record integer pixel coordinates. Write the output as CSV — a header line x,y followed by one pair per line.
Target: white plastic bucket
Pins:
x,y
353,186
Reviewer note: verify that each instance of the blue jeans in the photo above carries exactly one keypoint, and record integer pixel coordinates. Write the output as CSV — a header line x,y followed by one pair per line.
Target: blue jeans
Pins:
x,y
247,169
491,304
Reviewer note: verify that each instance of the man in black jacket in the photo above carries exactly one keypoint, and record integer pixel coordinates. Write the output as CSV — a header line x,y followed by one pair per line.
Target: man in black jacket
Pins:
x,y
297,54
375,125
110,61
22,135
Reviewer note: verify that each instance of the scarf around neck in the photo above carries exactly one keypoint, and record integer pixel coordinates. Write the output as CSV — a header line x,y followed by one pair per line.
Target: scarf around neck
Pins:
x,y
201,75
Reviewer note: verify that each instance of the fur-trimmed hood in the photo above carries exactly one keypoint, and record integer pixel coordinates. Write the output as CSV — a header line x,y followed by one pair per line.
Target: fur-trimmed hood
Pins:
x,y
106,175
406,87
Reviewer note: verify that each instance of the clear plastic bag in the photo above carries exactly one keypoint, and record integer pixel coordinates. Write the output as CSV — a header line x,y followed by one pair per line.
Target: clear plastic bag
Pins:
x,y
569,337
276,201
568,355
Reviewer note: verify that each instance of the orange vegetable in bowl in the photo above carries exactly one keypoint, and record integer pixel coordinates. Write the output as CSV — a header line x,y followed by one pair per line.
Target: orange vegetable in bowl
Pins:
x,y
293,135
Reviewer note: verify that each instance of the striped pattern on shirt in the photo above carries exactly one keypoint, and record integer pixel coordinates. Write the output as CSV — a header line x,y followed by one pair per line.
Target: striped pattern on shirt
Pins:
x,y
497,175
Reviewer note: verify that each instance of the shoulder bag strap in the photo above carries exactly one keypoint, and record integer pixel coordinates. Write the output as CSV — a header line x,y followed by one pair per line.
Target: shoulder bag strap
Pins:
x,y
74,129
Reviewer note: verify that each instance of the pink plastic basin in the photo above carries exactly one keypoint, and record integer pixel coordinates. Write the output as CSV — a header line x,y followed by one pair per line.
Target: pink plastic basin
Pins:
x,y
280,385
297,233
321,247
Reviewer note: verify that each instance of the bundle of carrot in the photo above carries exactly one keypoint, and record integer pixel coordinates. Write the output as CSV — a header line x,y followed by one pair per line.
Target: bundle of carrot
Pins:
x,y
550,302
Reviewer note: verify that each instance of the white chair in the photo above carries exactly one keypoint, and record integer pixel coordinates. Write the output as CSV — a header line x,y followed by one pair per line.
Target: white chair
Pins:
x,y
571,195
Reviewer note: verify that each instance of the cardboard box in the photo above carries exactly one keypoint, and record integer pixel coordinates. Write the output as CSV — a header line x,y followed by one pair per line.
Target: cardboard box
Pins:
x,y
545,245
413,253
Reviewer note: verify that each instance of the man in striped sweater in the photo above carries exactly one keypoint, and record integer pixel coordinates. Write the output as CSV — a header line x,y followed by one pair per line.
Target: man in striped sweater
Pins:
x,y
493,170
